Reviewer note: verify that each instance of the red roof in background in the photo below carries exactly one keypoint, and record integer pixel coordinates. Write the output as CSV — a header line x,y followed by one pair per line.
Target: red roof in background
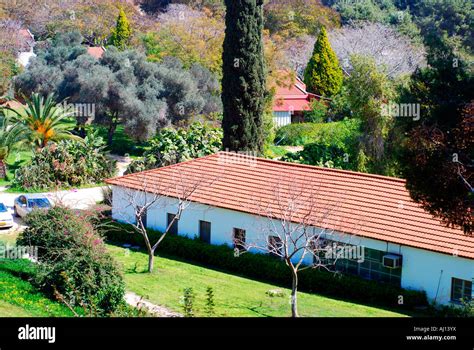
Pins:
x,y
26,34
367,205
96,52
292,96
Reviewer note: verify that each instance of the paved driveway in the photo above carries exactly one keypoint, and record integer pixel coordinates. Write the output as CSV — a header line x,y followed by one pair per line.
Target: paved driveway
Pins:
x,y
76,199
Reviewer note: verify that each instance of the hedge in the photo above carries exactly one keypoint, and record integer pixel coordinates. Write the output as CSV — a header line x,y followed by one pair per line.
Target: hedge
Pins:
x,y
270,269
335,133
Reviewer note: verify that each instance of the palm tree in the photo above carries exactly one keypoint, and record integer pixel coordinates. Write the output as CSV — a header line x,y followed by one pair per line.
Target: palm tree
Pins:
x,y
12,135
45,119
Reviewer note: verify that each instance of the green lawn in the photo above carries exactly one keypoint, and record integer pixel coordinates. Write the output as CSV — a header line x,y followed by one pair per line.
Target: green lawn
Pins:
x,y
14,161
18,298
234,296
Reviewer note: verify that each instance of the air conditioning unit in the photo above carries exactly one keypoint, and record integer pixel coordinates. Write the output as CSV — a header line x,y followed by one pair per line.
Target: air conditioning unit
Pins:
x,y
392,261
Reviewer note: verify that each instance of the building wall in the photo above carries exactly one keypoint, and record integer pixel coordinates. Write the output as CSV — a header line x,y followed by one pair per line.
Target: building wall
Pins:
x,y
281,118
421,269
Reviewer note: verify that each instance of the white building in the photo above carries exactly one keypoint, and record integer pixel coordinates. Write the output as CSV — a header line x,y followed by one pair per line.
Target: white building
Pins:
x,y
233,195
28,43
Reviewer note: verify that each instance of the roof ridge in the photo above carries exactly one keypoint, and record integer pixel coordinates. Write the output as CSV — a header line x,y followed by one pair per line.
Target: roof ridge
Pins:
x,y
307,166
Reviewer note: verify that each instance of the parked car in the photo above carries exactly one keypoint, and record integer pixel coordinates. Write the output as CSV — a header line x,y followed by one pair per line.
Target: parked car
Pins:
x,y
24,204
6,218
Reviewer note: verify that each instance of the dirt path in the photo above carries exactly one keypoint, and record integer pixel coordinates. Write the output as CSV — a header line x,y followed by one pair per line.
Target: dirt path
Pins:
x,y
135,300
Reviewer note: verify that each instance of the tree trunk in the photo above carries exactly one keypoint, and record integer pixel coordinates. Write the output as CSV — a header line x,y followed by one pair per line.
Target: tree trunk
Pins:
x,y
3,169
151,261
111,132
294,291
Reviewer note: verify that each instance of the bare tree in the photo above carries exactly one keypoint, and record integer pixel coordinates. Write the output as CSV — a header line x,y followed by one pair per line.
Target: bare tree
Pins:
x,y
389,48
301,227
154,194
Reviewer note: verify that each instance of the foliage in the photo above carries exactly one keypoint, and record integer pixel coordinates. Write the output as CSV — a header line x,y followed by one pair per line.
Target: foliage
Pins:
x,y
437,153
122,86
243,76
45,120
65,164
120,37
369,88
74,264
188,302
438,18
323,75
8,69
266,268
190,35
94,19
304,133
380,11
318,112
210,304
293,18
16,290
12,136
173,146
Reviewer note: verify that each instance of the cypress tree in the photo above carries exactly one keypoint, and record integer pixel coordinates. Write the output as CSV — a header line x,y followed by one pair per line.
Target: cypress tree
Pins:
x,y
243,82
122,32
323,75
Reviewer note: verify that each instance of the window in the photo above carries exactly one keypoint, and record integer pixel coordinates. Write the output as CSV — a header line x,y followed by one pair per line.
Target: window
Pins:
x,y
275,246
461,290
239,239
370,268
205,231
174,228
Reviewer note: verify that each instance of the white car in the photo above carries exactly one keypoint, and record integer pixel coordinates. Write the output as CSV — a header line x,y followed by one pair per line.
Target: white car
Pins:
x,y
26,203
6,218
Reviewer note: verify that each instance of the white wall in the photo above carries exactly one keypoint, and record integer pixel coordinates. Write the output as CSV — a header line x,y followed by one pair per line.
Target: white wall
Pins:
x,y
421,270
281,118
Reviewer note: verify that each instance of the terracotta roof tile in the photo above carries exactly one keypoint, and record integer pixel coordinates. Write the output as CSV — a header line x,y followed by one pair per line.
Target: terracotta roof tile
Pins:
x,y
368,205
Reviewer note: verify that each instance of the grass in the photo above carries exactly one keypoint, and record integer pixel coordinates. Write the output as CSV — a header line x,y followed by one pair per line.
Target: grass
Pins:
x,y
275,152
234,296
14,161
21,299
121,143
18,297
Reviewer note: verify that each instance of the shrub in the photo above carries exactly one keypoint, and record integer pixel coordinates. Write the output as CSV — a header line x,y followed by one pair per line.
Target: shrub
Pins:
x,y
318,113
173,146
65,164
74,265
266,268
320,154
336,133
188,302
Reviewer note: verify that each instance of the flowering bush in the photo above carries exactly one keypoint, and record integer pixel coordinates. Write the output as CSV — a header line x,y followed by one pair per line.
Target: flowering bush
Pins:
x,y
65,164
74,265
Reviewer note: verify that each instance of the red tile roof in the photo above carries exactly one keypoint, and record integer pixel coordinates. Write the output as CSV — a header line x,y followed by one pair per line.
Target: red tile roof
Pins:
x,y
292,96
367,205
96,52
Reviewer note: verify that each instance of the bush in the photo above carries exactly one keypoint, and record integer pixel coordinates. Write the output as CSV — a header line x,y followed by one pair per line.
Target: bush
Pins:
x,y
318,112
329,156
173,146
266,268
337,133
65,164
74,265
